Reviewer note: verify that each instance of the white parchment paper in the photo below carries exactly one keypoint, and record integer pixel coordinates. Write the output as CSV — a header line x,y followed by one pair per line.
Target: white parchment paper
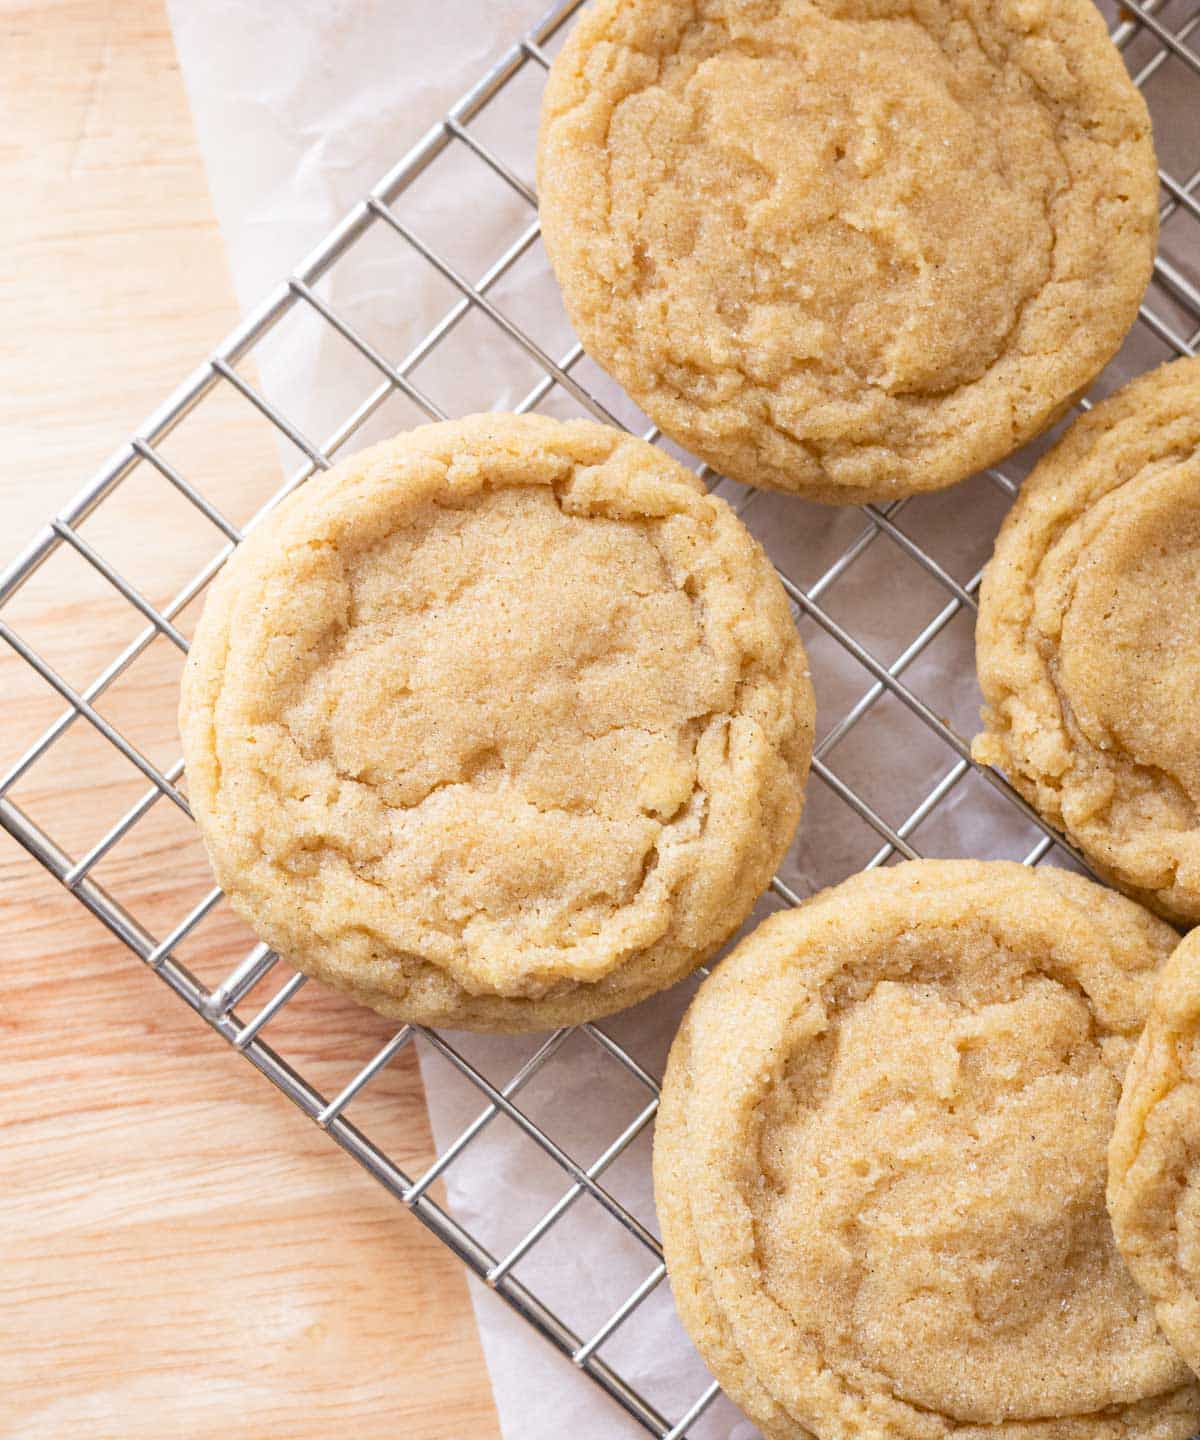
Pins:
x,y
300,109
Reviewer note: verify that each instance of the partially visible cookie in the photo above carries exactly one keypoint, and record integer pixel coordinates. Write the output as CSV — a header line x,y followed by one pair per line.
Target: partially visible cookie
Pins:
x,y
880,1164
854,249
1088,639
1154,1155
503,724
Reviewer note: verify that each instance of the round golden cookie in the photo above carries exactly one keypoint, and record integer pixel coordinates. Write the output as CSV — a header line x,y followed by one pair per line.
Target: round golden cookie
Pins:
x,y
503,724
1088,640
851,248
1154,1155
880,1164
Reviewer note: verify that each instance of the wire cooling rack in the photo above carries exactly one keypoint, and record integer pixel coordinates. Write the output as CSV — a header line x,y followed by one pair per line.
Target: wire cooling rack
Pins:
x,y
853,576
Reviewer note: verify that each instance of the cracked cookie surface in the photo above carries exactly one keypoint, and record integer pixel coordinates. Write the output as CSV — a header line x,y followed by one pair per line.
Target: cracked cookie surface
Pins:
x,y
1154,1155
1088,639
856,250
502,724
880,1163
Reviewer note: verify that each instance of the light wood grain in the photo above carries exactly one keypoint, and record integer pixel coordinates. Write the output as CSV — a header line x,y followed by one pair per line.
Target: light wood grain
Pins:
x,y
184,1254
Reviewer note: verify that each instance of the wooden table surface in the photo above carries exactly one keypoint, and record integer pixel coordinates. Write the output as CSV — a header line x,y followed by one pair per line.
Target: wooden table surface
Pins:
x,y
184,1254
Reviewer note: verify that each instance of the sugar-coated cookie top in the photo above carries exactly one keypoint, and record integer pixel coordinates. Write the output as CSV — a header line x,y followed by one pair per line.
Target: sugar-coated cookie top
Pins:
x,y
1089,639
1154,1155
880,1162
500,721
853,248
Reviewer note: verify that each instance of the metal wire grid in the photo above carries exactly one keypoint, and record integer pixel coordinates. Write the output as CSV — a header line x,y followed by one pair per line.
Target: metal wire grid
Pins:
x,y
1145,24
